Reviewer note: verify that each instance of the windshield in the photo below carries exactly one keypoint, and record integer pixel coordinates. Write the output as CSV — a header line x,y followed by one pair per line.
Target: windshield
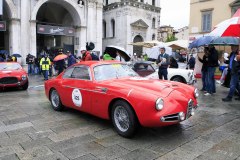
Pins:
x,y
10,66
112,71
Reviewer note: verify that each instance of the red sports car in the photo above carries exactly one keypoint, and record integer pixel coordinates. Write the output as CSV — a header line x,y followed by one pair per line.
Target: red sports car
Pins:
x,y
12,75
112,90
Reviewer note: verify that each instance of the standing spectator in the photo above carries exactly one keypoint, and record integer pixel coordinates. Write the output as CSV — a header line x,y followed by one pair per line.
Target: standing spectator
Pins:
x,y
45,66
36,65
224,68
191,62
234,67
204,69
30,61
71,59
212,64
107,56
173,63
86,55
1,58
163,63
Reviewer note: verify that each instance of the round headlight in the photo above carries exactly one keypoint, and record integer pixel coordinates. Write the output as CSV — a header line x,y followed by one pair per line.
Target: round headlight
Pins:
x,y
181,116
24,77
196,94
159,104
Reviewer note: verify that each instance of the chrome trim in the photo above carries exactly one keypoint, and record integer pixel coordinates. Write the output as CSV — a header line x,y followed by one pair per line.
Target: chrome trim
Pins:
x,y
130,92
96,91
171,116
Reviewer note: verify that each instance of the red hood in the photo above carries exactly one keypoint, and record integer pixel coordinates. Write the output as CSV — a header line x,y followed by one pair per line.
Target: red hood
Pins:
x,y
10,73
144,85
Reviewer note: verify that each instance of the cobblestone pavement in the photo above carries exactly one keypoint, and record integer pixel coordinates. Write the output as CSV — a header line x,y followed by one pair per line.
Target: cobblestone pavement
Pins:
x,y
30,129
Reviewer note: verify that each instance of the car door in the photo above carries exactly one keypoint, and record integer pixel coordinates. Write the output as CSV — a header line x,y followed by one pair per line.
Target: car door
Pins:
x,y
77,88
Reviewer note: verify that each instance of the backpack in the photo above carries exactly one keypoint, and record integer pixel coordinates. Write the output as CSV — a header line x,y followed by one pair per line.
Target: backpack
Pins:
x,y
94,57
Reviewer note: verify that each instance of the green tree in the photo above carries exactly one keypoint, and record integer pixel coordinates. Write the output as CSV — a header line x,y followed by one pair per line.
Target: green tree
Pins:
x,y
171,38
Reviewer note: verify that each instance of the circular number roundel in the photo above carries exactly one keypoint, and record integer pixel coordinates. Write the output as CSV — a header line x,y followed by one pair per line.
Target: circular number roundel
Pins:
x,y
77,97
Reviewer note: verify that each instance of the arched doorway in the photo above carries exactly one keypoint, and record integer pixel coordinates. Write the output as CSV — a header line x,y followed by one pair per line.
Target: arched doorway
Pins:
x,y
4,28
138,49
55,27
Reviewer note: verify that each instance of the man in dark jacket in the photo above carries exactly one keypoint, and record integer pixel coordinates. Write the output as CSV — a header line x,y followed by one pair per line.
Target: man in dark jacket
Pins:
x,y
191,62
71,59
163,63
212,64
234,67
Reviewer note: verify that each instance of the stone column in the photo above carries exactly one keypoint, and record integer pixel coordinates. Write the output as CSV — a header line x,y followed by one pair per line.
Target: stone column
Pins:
x,y
14,36
33,38
25,28
91,21
98,45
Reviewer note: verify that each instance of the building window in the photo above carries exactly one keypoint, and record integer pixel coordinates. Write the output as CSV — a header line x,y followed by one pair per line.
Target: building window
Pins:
x,y
104,29
153,23
113,27
153,2
206,21
153,37
106,2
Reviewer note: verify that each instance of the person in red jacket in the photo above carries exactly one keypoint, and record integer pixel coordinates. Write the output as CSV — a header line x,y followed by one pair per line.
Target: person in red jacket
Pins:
x,y
86,55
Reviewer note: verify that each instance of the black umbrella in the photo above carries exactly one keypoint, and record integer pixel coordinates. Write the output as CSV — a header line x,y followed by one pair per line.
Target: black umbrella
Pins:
x,y
112,51
16,55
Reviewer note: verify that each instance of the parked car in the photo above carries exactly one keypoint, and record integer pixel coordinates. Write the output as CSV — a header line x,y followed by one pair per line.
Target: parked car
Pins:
x,y
150,70
112,90
12,75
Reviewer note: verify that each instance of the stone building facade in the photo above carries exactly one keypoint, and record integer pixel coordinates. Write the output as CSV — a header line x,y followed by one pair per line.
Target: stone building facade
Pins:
x,y
33,25
206,14
126,21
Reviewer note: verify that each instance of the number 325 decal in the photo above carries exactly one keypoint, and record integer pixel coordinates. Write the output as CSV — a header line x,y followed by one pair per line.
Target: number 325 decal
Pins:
x,y
77,97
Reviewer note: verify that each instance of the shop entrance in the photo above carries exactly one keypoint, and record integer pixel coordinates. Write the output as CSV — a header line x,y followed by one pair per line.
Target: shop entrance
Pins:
x,y
54,29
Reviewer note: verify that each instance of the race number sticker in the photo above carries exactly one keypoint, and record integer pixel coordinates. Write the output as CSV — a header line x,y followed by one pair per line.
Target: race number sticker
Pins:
x,y
77,97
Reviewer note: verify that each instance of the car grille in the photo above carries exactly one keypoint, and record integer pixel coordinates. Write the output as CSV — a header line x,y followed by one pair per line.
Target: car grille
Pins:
x,y
8,80
170,118
189,108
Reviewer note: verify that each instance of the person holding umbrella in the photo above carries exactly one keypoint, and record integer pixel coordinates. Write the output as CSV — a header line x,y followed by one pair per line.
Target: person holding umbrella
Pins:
x,y
45,66
60,62
234,68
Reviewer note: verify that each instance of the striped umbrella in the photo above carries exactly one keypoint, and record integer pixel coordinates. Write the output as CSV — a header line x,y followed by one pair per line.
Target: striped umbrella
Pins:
x,y
229,27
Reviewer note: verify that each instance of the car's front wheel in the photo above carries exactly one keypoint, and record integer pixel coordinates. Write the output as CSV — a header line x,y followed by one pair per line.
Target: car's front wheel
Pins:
x,y
124,119
55,100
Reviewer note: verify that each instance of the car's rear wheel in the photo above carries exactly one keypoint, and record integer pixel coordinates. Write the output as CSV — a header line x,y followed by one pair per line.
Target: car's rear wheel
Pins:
x,y
124,119
178,79
55,100
25,86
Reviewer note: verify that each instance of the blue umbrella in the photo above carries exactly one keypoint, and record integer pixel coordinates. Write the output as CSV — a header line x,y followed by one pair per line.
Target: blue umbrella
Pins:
x,y
223,41
16,55
202,41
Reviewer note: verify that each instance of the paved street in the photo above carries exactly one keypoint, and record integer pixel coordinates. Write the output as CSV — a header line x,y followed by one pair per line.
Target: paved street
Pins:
x,y
30,129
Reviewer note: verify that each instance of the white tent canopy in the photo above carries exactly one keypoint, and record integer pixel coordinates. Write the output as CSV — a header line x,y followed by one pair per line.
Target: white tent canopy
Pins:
x,y
180,43
155,51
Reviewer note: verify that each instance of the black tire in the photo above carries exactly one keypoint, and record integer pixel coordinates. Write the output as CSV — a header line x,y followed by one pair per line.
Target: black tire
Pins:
x,y
132,122
178,79
25,86
57,106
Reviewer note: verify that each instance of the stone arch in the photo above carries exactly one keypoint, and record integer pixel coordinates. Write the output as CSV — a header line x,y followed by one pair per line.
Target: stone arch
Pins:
x,y
69,5
11,9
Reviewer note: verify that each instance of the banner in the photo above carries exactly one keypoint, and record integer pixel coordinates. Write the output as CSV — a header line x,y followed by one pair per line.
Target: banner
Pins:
x,y
1,7
2,25
55,30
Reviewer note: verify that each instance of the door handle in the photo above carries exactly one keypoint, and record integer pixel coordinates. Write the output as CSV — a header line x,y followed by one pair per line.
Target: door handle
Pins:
x,y
102,89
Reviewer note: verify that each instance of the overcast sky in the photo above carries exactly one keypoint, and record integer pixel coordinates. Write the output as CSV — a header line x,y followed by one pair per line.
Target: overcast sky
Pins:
x,y
175,13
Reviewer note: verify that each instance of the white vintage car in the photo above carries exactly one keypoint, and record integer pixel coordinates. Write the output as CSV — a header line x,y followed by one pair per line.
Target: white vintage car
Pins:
x,y
150,70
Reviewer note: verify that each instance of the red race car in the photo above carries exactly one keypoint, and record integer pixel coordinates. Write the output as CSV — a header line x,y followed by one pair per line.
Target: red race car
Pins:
x,y
12,75
112,90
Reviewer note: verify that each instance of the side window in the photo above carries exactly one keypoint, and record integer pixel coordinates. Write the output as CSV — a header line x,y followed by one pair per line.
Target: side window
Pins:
x,y
68,73
81,72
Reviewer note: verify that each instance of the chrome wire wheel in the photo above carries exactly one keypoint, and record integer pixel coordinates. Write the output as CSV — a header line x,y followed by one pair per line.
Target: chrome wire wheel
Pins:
x,y
121,118
55,99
